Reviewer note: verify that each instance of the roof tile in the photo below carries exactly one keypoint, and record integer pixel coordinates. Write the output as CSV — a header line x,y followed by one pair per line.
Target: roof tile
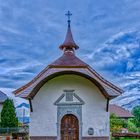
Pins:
x,y
119,111
68,59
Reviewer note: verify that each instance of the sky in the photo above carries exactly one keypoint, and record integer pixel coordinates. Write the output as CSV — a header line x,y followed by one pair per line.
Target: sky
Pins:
x,y
108,33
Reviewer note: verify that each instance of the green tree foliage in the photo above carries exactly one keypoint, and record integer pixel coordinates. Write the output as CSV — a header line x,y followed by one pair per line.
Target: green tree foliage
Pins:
x,y
131,125
116,123
8,115
136,113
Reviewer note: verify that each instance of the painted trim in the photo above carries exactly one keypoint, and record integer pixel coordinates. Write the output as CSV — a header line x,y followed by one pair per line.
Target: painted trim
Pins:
x,y
107,105
74,108
59,99
53,66
57,102
30,103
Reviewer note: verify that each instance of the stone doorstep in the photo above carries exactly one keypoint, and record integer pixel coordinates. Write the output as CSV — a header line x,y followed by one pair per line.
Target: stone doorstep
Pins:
x,y
95,138
4,137
55,138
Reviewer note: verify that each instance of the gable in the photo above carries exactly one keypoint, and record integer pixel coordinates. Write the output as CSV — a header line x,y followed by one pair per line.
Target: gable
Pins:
x,y
69,97
77,83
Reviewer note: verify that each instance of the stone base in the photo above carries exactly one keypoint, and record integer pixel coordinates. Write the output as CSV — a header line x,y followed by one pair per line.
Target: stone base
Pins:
x,y
95,138
43,138
55,138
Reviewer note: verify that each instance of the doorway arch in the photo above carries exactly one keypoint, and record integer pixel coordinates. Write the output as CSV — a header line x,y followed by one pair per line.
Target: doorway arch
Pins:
x,y
69,127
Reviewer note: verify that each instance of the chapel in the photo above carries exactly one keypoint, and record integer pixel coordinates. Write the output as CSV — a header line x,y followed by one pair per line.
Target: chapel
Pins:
x,y
69,100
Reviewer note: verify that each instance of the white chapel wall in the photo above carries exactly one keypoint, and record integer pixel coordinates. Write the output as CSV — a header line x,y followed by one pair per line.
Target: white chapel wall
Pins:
x,y
44,116
1,106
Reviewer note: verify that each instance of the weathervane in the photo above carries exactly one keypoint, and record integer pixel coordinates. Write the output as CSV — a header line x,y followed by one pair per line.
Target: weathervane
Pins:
x,y
68,14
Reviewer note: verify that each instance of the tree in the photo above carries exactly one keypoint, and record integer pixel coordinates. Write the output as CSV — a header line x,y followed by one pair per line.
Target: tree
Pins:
x,y
131,125
136,113
8,115
116,123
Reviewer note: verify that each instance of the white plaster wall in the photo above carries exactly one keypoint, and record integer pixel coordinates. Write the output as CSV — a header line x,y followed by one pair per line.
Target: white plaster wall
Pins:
x,y
1,105
44,116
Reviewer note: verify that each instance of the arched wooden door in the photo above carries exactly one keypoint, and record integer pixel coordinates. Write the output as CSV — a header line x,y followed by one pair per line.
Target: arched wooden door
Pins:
x,y
69,128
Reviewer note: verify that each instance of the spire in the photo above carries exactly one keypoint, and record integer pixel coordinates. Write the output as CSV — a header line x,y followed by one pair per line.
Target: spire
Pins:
x,y
69,43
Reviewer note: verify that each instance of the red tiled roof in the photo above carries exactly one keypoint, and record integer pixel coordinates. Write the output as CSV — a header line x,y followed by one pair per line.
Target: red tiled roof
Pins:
x,y
68,59
119,111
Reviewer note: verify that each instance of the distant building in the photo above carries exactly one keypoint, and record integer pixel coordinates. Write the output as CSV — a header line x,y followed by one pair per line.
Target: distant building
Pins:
x,y
119,111
3,97
23,113
124,130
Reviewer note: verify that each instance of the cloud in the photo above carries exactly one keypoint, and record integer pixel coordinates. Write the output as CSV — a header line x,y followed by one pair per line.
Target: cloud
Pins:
x,y
118,60
127,37
124,56
107,35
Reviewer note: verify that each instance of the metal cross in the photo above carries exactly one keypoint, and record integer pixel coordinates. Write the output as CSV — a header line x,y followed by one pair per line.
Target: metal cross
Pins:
x,y
68,14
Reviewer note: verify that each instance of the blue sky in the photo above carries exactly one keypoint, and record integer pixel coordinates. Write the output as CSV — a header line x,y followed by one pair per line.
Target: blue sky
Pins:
x,y
108,33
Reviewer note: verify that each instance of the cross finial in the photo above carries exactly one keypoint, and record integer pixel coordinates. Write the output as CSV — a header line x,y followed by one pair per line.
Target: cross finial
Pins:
x,y
68,14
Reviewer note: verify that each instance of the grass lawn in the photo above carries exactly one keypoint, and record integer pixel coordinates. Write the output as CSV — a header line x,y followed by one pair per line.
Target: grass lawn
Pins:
x,y
128,138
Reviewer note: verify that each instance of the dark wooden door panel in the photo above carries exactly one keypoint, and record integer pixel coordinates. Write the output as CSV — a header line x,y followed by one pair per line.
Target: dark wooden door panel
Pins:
x,y
69,128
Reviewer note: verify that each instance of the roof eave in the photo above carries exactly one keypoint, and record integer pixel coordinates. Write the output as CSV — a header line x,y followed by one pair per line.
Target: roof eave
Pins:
x,y
29,95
